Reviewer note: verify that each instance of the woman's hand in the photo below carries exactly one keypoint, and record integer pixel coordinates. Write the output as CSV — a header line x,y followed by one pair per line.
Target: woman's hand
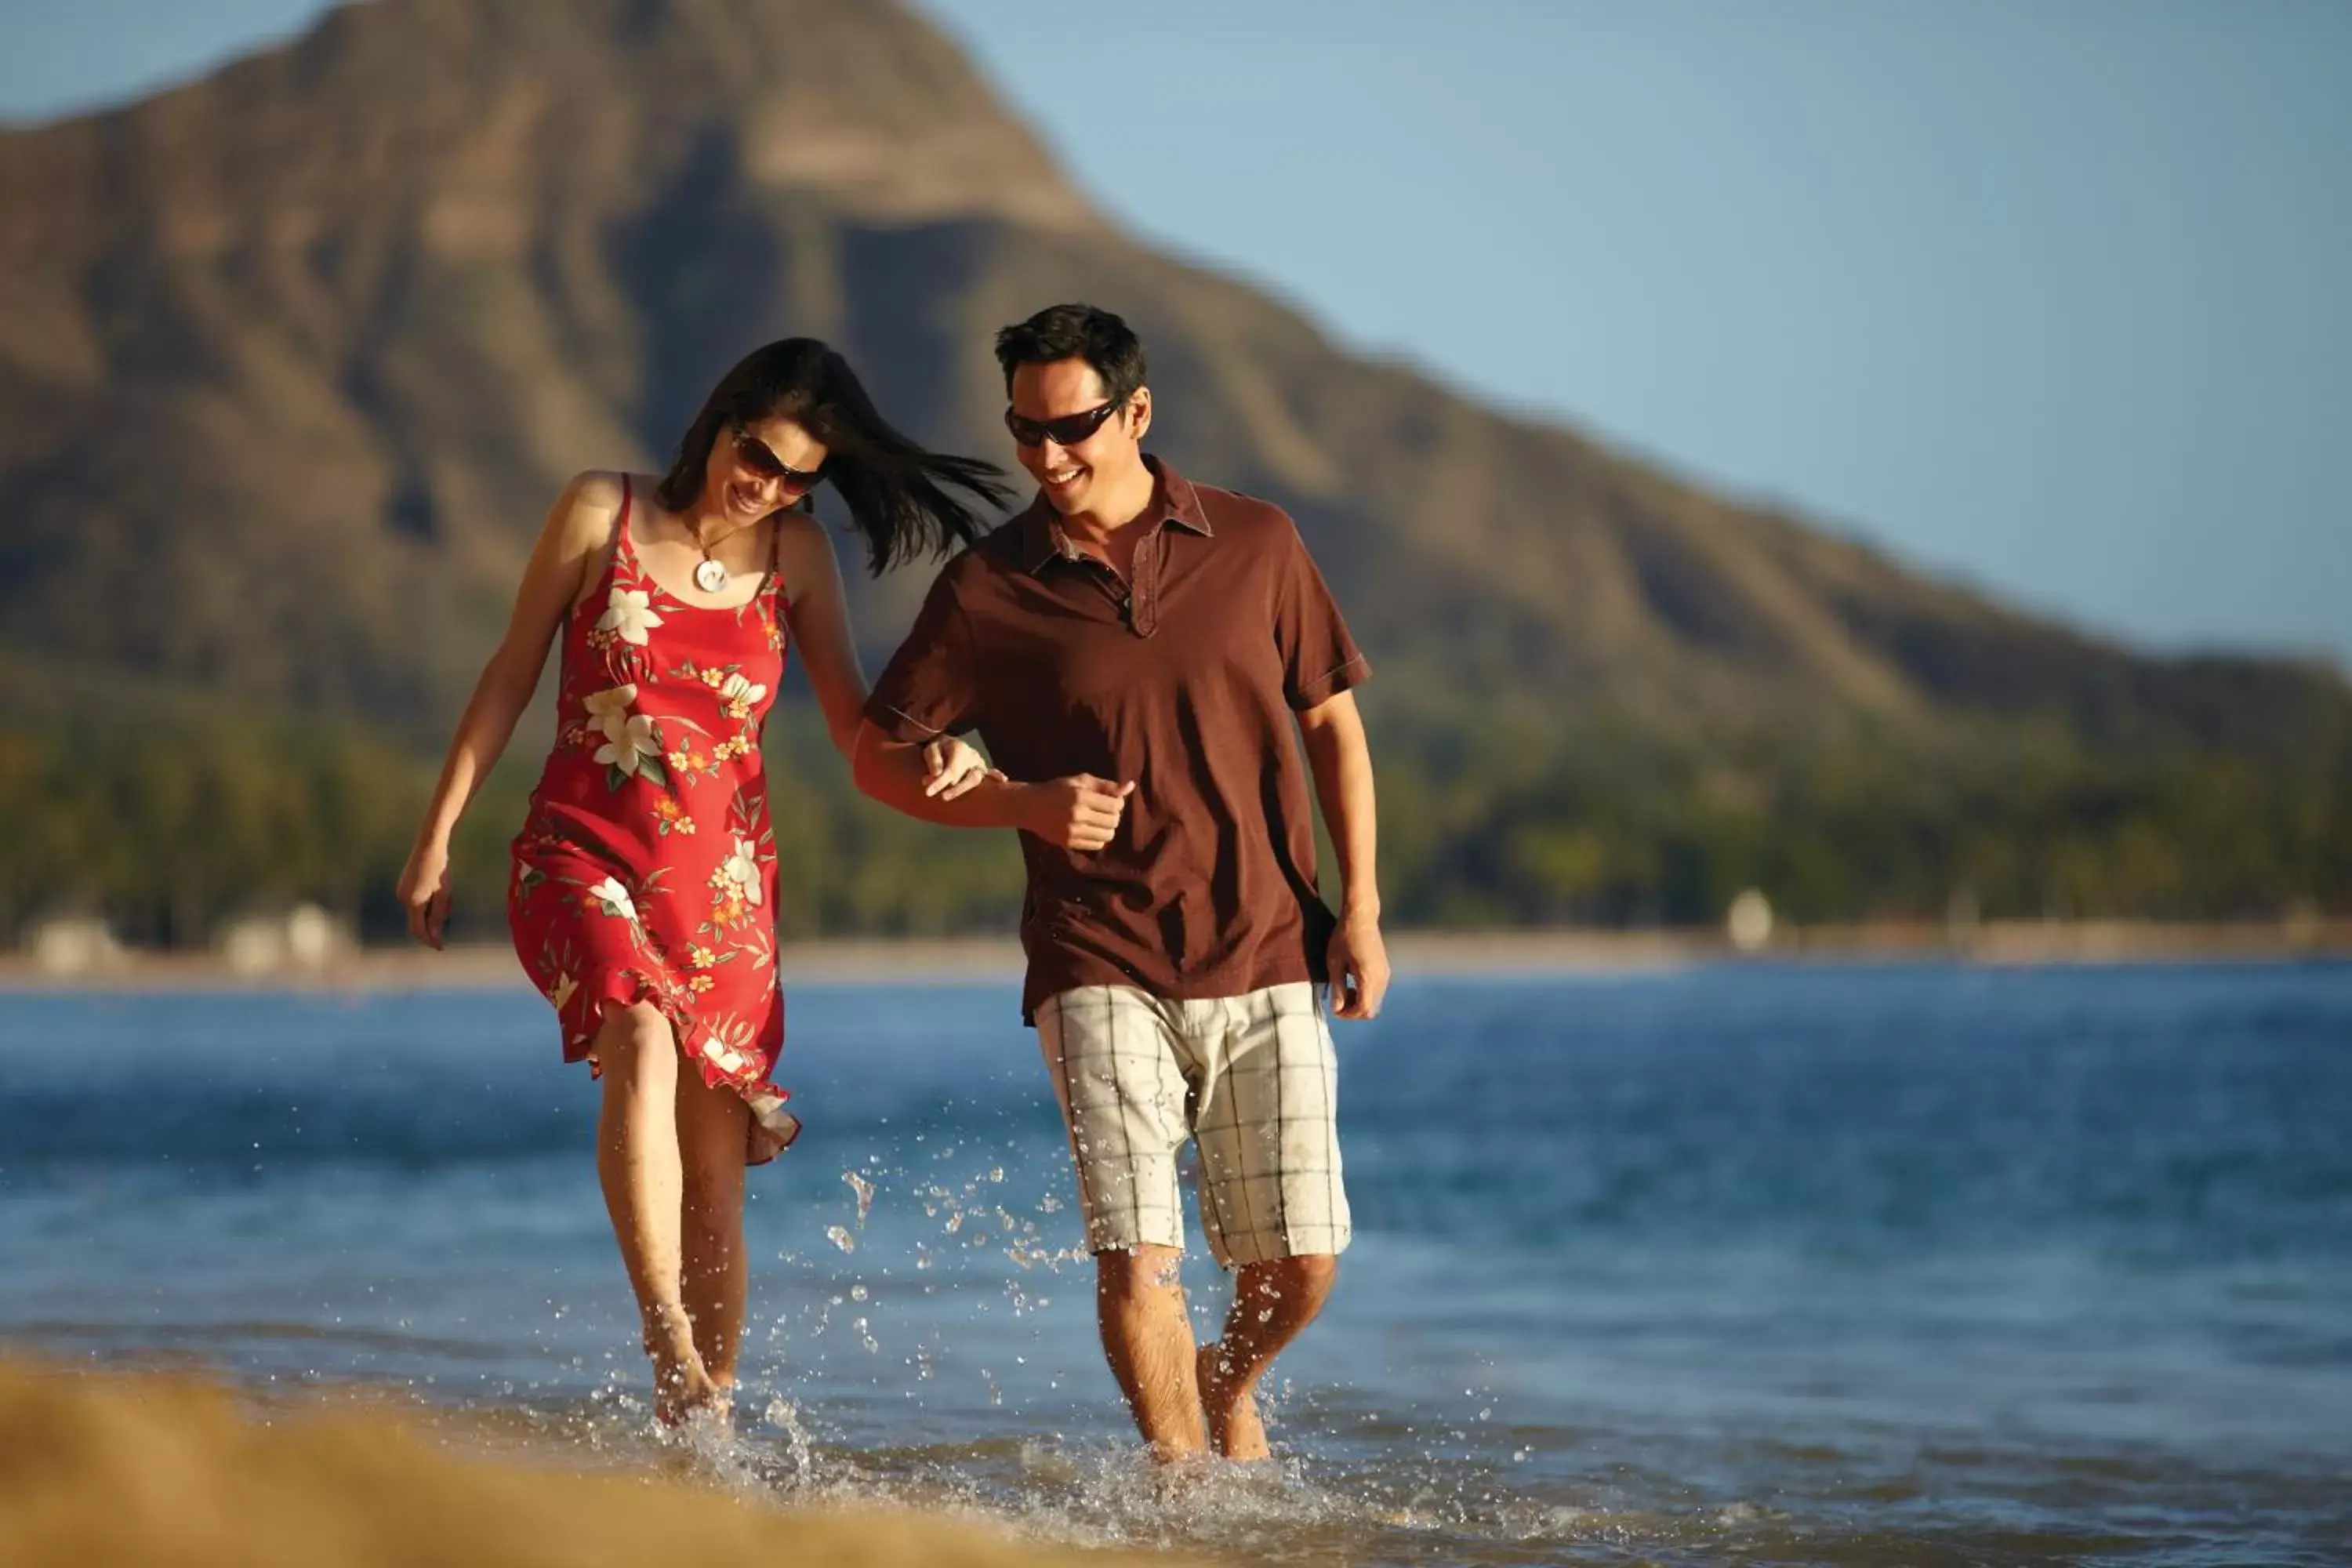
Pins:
x,y
951,767
424,892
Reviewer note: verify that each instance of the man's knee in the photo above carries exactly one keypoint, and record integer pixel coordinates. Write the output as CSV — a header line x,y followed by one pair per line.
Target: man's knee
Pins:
x,y
1125,1272
1303,1281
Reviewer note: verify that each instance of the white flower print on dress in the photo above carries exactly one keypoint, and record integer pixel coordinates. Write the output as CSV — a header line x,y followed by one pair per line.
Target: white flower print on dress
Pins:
x,y
723,1057
628,750
561,992
629,616
739,692
609,710
742,868
615,900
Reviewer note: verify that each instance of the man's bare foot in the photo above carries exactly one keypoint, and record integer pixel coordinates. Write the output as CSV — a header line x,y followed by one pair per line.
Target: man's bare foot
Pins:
x,y
1230,1408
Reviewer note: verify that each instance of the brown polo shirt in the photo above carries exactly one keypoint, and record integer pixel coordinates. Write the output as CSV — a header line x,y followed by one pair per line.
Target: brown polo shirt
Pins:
x,y
1183,680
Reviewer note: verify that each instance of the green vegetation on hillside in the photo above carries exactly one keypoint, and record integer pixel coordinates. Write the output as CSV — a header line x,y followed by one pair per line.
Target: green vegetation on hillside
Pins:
x,y
170,824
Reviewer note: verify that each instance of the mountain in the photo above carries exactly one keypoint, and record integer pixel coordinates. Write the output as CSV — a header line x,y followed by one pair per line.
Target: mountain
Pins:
x,y
293,358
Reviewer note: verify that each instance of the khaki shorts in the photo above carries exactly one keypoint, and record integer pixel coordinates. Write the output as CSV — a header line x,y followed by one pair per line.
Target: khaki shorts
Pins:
x,y
1251,1078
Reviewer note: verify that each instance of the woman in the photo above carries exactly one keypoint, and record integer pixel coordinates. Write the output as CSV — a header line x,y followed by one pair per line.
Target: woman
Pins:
x,y
645,873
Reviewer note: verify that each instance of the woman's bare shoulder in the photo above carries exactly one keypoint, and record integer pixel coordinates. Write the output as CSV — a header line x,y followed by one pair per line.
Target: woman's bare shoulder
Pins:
x,y
803,548
801,529
585,514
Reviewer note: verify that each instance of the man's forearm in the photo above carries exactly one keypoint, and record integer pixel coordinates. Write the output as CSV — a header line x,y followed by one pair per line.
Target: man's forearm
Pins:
x,y
892,773
1341,762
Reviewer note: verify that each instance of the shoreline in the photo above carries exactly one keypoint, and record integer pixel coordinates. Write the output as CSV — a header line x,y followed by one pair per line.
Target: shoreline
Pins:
x,y
1519,950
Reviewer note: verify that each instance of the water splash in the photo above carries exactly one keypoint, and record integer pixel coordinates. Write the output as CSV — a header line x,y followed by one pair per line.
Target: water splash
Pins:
x,y
785,1417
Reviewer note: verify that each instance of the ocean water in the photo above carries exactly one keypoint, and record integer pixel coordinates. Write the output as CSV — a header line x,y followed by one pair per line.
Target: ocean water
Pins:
x,y
1756,1264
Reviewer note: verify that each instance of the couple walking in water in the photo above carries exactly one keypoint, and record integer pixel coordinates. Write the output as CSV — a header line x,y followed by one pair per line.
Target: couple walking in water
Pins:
x,y
1132,648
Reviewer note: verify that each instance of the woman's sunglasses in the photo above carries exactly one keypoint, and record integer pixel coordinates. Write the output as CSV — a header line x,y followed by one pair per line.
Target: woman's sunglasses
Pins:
x,y
754,454
1067,431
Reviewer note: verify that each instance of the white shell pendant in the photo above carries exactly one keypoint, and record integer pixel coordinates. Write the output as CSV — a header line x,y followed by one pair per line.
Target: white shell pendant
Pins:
x,y
710,576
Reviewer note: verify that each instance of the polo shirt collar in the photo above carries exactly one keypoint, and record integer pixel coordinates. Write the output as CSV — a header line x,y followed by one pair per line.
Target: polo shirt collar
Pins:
x,y
1180,503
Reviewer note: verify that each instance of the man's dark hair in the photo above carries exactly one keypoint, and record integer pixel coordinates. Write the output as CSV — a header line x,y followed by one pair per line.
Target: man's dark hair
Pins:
x,y
1076,331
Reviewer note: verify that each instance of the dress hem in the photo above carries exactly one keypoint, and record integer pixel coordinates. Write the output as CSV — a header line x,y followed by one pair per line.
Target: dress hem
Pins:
x,y
771,1128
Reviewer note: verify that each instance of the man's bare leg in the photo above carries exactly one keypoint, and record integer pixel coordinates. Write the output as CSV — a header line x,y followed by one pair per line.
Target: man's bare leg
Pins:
x,y
637,1165
1272,1302
713,1126
1147,1340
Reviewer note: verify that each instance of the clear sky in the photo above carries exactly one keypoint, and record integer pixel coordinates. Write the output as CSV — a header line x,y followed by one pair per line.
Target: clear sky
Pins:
x,y
2047,295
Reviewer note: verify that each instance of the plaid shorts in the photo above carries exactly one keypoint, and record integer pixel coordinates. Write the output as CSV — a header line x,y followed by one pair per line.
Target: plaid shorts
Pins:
x,y
1251,1078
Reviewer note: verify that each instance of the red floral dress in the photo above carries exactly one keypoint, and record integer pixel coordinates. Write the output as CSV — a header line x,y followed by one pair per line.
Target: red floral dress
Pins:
x,y
647,870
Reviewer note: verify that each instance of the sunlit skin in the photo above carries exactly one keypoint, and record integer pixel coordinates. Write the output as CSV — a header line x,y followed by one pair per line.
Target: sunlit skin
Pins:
x,y
1100,486
669,1149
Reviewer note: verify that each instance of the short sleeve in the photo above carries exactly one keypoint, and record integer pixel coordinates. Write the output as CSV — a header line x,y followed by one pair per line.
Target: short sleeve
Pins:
x,y
1319,659
932,685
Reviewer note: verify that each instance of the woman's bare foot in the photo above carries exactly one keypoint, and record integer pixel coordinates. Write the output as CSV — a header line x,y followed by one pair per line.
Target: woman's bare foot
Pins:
x,y
1230,1408
687,1393
682,1389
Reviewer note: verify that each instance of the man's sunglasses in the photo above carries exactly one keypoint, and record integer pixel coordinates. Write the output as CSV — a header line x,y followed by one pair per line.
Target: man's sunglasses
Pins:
x,y
754,454
1067,431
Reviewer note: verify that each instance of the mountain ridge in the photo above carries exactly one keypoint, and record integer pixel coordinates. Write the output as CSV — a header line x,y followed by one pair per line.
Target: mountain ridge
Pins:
x,y
293,358
418,193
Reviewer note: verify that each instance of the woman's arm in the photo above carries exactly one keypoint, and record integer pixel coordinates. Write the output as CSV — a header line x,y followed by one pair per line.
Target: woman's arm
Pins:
x,y
818,611
578,528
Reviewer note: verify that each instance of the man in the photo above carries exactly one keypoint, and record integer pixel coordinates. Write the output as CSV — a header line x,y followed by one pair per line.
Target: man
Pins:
x,y
1131,649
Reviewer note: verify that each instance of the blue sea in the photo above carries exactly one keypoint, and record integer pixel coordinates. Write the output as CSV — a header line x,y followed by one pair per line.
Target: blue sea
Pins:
x,y
1736,1263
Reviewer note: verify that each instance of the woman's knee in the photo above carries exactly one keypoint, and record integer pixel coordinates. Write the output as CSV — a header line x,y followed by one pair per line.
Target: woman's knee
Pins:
x,y
635,1049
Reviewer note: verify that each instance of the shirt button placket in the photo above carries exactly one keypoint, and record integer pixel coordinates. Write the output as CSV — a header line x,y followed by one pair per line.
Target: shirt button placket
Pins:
x,y
1143,611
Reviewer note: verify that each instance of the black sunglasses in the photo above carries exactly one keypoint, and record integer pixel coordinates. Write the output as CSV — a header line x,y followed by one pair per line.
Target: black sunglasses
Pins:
x,y
1067,431
757,456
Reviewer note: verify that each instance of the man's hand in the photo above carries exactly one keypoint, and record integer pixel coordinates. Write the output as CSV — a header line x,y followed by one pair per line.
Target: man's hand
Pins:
x,y
1081,812
1359,961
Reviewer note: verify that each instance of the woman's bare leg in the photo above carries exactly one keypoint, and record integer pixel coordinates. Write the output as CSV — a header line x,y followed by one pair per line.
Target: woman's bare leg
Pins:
x,y
638,1163
713,1130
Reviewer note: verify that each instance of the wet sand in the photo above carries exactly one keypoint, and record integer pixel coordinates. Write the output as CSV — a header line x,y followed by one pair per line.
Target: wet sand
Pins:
x,y
104,1469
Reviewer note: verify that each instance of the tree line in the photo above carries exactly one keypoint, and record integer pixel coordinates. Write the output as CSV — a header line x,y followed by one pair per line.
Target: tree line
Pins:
x,y
170,824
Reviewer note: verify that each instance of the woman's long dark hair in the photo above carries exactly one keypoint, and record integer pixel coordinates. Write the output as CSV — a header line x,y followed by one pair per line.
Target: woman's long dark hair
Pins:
x,y
898,494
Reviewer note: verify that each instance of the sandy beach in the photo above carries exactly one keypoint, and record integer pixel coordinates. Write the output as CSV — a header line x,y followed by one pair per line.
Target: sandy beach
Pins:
x,y
101,1469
